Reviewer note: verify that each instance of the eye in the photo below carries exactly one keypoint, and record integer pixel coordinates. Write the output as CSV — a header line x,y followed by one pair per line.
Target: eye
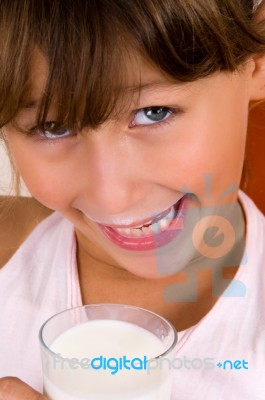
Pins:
x,y
51,130
152,115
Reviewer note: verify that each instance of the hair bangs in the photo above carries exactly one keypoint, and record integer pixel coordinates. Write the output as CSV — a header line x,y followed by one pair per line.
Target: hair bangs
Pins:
x,y
88,61
92,47
87,66
191,39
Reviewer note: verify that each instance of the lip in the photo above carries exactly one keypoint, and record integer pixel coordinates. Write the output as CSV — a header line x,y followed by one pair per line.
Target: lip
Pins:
x,y
153,241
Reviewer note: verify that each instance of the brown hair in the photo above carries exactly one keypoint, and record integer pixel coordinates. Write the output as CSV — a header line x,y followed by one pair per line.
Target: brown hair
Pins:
x,y
89,44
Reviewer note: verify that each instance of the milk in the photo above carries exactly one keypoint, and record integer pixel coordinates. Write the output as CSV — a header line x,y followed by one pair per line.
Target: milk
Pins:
x,y
73,377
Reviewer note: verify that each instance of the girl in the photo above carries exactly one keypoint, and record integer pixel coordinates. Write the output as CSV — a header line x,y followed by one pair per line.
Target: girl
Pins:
x,y
129,119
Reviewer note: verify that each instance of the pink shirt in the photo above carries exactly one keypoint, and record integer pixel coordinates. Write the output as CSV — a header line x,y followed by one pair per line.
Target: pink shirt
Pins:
x,y
41,279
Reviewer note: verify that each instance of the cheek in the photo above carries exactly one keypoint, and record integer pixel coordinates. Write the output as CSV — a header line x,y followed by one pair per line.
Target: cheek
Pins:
x,y
50,189
51,184
207,153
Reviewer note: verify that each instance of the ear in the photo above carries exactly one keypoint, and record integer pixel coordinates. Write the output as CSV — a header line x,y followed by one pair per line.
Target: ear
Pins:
x,y
257,70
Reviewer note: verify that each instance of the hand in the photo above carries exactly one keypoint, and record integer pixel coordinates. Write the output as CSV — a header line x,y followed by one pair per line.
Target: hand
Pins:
x,y
15,389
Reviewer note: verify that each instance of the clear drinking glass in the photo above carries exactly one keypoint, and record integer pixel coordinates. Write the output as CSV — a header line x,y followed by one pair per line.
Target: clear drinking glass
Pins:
x,y
107,351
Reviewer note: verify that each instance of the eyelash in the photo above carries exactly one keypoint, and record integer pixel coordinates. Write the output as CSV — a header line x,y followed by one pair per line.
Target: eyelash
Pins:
x,y
172,112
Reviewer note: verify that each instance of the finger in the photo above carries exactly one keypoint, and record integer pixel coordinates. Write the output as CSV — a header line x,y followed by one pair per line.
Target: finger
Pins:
x,y
14,389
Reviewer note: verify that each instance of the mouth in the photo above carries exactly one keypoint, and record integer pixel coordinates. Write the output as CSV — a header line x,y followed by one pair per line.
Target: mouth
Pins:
x,y
149,235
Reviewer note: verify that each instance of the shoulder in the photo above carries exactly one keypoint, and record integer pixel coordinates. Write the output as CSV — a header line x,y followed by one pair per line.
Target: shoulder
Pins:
x,y
18,217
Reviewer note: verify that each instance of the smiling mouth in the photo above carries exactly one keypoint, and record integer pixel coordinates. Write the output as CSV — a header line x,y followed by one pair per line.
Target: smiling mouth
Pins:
x,y
155,226
151,234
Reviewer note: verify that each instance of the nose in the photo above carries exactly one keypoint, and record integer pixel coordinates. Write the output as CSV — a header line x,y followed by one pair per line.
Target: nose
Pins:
x,y
114,177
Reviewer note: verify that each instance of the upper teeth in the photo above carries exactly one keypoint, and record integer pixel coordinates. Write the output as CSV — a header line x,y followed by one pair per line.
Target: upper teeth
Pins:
x,y
153,228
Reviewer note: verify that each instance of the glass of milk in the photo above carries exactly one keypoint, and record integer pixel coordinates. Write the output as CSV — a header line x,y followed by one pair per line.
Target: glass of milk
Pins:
x,y
107,351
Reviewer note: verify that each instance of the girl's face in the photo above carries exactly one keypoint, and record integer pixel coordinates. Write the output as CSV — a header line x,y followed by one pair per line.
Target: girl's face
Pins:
x,y
178,147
